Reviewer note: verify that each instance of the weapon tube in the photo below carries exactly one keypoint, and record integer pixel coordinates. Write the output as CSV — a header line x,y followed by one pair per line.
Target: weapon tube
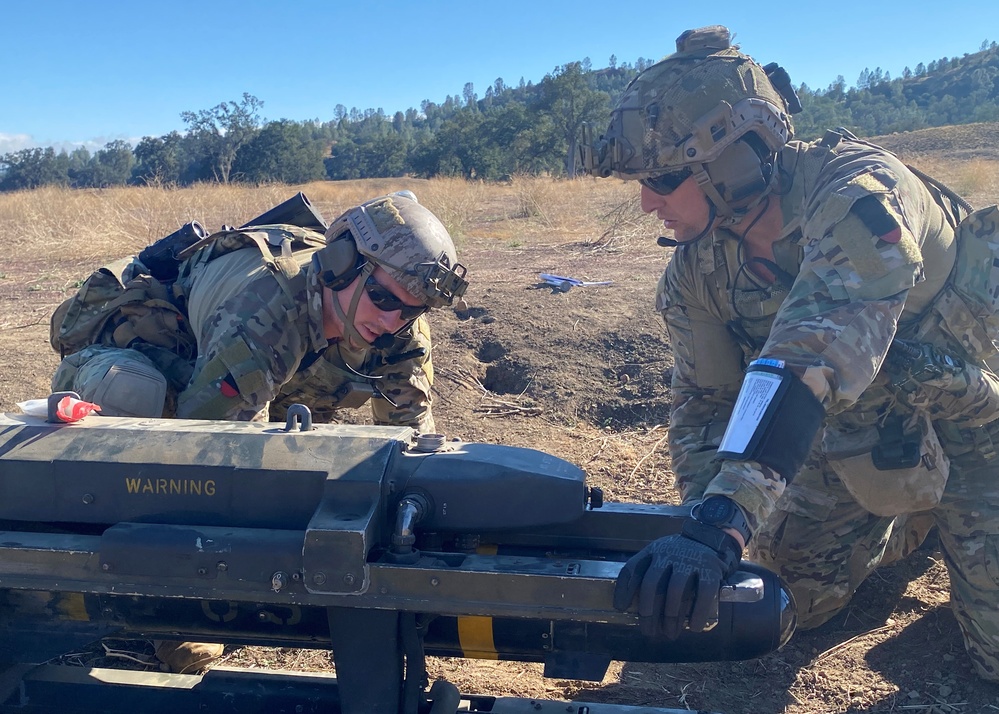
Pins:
x,y
161,257
296,211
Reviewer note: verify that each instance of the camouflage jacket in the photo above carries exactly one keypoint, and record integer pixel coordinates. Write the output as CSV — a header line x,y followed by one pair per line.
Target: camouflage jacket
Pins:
x,y
261,348
865,247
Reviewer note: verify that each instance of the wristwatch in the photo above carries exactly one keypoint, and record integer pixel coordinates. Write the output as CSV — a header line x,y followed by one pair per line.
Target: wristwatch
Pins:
x,y
721,512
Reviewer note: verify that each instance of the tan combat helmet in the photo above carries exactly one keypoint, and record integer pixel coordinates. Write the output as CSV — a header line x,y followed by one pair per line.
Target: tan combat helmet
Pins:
x,y
404,238
708,111
401,236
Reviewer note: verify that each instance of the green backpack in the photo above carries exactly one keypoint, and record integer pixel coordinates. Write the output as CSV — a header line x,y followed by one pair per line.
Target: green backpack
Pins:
x,y
121,303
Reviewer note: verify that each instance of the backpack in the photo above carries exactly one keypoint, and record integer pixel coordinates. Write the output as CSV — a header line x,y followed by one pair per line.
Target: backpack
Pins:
x,y
122,304
967,308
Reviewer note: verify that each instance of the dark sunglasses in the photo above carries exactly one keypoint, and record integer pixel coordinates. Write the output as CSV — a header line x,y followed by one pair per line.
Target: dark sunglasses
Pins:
x,y
665,184
384,300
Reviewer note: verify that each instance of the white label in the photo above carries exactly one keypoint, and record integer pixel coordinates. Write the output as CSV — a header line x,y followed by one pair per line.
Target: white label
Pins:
x,y
758,390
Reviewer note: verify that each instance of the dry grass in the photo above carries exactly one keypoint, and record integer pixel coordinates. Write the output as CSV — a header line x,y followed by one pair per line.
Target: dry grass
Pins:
x,y
975,179
104,224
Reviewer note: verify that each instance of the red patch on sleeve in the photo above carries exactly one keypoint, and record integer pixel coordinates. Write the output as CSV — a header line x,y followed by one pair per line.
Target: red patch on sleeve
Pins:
x,y
228,389
893,237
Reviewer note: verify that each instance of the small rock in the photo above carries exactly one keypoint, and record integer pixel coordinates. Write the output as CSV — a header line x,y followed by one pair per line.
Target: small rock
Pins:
x,y
914,695
945,691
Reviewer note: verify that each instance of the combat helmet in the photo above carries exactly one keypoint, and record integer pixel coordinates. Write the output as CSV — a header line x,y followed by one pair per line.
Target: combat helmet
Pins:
x,y
403,237
708,111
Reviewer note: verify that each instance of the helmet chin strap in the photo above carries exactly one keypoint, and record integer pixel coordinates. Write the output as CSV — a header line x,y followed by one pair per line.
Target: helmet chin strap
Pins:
x,y
349,331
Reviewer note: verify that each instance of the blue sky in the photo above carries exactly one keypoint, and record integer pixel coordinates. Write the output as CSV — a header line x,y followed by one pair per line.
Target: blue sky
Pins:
x,y
75,72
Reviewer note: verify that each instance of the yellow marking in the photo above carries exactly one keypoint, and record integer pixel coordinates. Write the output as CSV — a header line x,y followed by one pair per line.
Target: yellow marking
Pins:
x,y
487,549
72,606
170,486
475,637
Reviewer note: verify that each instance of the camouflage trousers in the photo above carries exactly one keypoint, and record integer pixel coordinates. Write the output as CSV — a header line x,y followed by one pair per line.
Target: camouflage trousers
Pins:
x,y
824,545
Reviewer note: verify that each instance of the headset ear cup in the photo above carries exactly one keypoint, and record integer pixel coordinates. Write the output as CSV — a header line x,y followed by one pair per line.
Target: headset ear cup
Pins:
x,y
739,173
341,263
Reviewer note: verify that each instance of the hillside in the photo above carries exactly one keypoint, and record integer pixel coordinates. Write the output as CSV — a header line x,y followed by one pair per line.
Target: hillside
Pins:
x,y
958,143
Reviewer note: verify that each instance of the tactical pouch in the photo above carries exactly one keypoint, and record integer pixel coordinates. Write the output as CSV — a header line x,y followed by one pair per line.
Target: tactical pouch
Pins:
x,y
353,395
896,467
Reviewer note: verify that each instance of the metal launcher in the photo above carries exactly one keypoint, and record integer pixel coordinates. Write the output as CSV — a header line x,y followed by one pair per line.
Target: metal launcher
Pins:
x,y
381,545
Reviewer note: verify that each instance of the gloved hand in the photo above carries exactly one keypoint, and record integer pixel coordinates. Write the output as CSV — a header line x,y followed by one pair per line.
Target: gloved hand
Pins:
x,y
678,578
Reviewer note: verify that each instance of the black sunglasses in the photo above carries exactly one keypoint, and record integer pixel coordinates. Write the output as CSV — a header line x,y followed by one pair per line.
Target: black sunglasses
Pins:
x,y
382,298
665,184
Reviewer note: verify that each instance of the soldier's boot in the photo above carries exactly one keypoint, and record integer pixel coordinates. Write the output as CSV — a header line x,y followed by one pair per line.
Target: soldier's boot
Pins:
x,y
187,657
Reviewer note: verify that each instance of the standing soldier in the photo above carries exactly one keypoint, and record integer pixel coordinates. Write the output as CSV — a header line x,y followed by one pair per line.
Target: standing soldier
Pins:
x,y
832,314
259,318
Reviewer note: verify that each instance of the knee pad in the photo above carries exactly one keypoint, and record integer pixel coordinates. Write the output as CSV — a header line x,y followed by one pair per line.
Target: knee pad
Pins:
x,y
123,383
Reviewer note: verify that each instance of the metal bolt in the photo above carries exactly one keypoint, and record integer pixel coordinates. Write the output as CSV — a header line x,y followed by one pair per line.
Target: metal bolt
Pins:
x,y
691,152
348,579
221,566
383,589
435,581
88,498
262,616
105,567
319,578
296,576
202,571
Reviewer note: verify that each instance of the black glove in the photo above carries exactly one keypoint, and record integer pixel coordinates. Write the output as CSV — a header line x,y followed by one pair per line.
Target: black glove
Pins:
x,y
677,579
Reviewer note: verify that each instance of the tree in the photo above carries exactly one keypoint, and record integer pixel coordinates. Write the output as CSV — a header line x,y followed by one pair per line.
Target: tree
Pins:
x,y
158,160
112,165
568,100
223,129
468,93
30,168
283,151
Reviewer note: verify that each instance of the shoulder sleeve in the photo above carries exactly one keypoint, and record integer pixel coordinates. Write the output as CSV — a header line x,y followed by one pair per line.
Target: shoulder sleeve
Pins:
x,y
861,259
408,382
249,347
861,243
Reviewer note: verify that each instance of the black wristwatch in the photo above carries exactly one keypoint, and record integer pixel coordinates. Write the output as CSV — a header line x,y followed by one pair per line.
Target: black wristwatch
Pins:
x,y
721,512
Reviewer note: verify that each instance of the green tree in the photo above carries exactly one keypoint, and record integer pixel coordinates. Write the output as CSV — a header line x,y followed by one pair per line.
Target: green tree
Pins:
x,y
222,130
567,98
31,168
283,151
159,160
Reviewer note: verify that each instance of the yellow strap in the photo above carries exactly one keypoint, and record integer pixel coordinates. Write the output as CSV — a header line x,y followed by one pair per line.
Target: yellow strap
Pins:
x,y
475,637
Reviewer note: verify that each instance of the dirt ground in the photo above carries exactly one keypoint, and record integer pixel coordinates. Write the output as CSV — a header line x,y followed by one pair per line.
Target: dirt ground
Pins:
x,y
584,374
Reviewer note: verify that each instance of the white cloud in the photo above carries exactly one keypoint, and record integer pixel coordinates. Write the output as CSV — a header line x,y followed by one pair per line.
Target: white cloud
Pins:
x,y
15,142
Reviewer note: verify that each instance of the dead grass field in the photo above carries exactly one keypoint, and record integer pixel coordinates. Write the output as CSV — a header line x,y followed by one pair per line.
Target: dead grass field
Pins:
x,y
582,374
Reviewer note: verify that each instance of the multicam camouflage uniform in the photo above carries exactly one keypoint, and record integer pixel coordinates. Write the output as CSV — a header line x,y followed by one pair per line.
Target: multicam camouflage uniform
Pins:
x,y
260,348
848,279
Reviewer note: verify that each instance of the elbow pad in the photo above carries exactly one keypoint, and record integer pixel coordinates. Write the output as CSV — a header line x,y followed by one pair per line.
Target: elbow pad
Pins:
x,y
774,420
